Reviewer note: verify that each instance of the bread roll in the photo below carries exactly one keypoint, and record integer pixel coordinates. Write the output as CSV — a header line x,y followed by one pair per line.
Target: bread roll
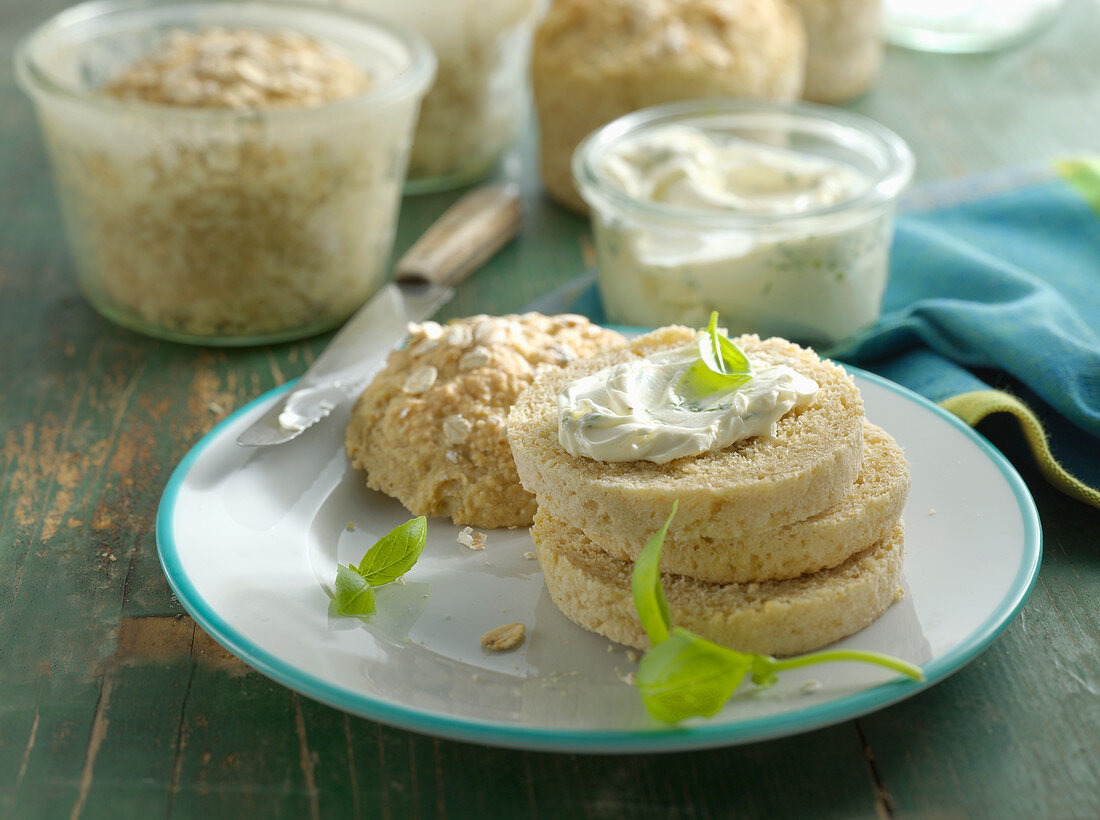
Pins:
x,y
865,515
756,484
595,60
775,617
430,427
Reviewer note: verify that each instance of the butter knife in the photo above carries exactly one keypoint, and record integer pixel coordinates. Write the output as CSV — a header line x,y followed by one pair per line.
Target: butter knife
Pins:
x,y
459,242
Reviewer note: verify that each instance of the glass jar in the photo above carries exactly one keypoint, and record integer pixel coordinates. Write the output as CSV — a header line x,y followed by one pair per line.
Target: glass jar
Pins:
x,y
780,265
219,225
479,100
965,27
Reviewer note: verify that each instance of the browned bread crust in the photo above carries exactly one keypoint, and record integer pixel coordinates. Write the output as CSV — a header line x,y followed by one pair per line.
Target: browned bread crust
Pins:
x,y
774,617
429,430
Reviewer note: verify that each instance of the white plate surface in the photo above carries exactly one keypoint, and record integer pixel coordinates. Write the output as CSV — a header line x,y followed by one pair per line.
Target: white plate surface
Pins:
x,y
249,541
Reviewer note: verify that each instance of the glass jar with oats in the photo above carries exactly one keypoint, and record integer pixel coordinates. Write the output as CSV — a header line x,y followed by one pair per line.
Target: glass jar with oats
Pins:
x,y
479,101
228,173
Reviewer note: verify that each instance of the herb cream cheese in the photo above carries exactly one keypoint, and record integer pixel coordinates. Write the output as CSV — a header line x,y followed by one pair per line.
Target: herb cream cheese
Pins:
x,y
643,411
815,273
684,166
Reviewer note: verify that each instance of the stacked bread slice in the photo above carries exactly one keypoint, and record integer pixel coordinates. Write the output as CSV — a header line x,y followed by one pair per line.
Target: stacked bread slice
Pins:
x,y
780,544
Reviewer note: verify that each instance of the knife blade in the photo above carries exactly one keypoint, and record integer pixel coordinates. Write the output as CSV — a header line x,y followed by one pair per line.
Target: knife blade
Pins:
x,y
459,242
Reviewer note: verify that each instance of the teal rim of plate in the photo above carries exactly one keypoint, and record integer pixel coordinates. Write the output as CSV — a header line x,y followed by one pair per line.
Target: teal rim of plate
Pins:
x,y
596,741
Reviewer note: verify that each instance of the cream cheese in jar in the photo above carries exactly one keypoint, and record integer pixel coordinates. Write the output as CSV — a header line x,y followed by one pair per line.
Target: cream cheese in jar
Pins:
x,y
637,411
685,166
779,240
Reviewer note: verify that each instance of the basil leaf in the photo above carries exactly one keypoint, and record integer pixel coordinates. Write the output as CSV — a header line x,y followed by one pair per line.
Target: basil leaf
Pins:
x,y
353,594
687,676
645,584
722,366
391,557
395,553
723,356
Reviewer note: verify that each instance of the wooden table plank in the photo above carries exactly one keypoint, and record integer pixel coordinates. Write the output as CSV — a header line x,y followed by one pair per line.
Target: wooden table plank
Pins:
x,y
47,784
244,750
1015,734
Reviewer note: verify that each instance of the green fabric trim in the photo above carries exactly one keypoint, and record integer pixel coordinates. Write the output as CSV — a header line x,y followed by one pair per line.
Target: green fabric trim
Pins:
x,y
1083,173
973,407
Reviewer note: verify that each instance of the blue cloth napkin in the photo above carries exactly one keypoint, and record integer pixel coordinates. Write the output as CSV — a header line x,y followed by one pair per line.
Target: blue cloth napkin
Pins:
x,y
995,281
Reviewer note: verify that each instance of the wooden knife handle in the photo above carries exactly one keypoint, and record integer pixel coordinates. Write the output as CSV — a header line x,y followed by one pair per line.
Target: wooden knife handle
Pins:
x,y
464,238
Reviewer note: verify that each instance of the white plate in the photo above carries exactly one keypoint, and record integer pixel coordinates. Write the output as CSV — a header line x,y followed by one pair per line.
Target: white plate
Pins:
x,y
249,540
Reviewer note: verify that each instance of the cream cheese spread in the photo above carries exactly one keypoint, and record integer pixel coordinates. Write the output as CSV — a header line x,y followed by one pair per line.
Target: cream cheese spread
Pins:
x,y
684,166
636,411
812,275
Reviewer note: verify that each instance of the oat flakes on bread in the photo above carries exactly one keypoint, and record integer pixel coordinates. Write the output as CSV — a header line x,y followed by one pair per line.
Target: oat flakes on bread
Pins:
x,y
785,617
866,514
429,429
756,484
594,61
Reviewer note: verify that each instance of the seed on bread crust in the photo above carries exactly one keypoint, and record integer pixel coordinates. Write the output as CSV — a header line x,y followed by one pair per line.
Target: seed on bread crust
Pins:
x,y
420,380
478,357
456,429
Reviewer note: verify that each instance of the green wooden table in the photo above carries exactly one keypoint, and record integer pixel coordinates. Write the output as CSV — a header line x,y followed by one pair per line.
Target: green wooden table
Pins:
x,y
113,703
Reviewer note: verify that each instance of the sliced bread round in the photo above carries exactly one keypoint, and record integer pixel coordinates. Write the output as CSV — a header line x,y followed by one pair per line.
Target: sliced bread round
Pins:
x,y
759,483
775,617
863,516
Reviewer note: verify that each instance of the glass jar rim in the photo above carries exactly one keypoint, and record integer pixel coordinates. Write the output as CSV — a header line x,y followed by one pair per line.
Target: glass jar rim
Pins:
x,y
410,80
895,154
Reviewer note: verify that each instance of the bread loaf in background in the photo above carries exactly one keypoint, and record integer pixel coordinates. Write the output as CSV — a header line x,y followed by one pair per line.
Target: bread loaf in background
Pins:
x,y
596,60
844,52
